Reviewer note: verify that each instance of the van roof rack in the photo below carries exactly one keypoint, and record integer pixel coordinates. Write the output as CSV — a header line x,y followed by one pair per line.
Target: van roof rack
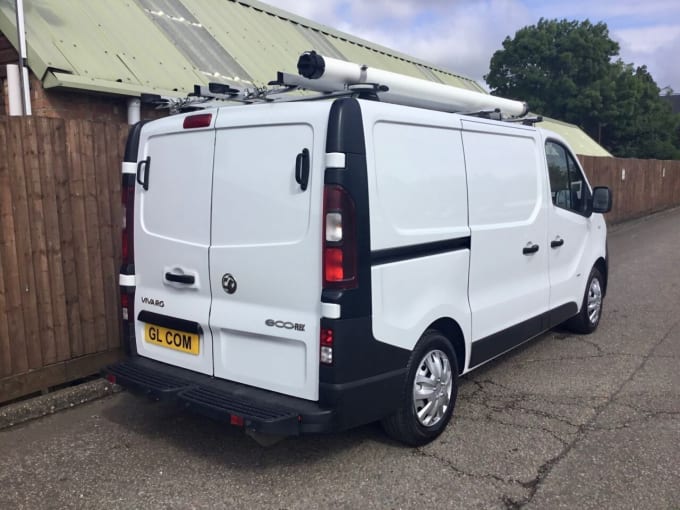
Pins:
x,y
330,78
527,121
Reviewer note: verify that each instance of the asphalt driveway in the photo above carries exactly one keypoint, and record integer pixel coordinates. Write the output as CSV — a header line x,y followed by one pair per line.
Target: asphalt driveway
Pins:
x,y
564,422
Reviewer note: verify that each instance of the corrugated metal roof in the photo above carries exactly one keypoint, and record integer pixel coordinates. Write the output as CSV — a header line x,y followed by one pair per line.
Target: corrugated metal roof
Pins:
x,y
579,141
129,47
165,46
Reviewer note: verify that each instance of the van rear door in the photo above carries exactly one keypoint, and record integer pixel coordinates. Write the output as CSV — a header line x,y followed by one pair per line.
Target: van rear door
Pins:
x,y
265,256
171,240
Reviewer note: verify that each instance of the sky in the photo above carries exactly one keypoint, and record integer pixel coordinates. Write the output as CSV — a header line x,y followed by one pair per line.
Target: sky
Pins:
x,y
462,35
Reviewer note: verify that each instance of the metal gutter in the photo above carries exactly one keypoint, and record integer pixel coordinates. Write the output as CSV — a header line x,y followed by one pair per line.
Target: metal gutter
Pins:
x,y
54,79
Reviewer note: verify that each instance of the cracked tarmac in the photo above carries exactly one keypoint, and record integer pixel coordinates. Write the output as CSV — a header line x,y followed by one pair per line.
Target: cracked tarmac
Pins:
x,y
563,422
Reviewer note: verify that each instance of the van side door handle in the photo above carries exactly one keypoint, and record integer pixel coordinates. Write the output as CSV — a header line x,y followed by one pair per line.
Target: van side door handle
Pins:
x,y
187,279
556,243
529,249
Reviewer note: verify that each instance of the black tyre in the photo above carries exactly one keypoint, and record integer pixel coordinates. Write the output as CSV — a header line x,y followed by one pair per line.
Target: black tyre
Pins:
x,y
429,392
588,318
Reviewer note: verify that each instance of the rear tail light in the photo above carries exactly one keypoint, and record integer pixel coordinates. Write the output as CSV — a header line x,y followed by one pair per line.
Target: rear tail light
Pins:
x,y
125,306
127,309
339,239
326,346
128,200
127,293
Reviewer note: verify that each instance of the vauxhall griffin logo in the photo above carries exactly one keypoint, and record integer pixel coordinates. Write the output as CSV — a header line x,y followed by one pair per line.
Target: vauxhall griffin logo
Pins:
x,y
229,283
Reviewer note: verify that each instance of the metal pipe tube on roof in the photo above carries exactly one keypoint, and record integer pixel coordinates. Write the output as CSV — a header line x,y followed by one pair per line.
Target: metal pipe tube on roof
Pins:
x,y
406,90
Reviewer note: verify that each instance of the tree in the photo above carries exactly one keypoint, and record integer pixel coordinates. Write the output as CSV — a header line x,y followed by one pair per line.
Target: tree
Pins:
x,y
640,124
565,69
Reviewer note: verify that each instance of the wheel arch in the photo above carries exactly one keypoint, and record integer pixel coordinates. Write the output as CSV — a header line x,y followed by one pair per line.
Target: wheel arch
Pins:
x,y
603,267
453,332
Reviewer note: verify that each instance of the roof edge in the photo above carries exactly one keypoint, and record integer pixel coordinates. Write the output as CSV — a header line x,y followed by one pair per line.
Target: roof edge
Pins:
x,y
592,148
33,60
54,78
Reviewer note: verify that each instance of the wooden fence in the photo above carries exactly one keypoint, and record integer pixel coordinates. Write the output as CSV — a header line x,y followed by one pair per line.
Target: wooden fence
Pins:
x,y
59,250
60,219
639,186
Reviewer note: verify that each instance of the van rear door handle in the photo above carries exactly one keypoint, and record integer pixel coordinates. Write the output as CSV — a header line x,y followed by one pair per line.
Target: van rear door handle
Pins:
x,y
187,279
302,169
146,163
556,243
529,249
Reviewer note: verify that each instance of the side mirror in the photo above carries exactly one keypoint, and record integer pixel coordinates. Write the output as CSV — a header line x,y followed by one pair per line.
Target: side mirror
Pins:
x,y
602,199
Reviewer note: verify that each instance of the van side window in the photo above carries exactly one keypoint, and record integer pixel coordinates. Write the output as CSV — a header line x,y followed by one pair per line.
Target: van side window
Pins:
x,y
568,187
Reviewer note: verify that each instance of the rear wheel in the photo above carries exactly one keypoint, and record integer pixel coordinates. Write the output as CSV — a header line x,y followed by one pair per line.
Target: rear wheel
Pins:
x,y
588,318
429,392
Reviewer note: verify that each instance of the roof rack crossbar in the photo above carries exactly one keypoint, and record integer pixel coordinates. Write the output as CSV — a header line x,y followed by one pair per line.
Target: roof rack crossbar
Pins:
x,y
527,121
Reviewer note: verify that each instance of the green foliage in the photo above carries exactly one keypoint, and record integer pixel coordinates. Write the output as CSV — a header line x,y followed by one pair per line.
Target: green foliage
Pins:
x,y
565,69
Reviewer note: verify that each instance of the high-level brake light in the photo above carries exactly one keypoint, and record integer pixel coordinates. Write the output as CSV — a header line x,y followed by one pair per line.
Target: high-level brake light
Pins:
x,y
197,121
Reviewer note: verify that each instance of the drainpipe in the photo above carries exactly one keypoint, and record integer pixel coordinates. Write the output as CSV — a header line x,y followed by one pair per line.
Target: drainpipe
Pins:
x,y
134,107
23,70
14,90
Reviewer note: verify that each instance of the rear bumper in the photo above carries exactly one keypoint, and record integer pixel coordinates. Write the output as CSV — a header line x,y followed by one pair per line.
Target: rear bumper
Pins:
x,y
258,410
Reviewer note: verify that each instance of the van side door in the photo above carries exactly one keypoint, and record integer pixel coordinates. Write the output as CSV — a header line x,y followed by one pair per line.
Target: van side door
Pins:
x,y
508,285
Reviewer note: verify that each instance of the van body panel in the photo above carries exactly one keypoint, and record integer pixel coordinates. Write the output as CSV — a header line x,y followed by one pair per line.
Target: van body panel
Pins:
x,y
404,305
416,176
266,235
418,200
506,189
172,236
446,216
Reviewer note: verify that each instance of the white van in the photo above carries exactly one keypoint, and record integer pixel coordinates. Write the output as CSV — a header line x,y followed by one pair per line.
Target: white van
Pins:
x,y
310,266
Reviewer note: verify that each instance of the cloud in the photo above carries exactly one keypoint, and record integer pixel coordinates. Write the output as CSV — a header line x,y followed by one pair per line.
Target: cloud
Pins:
x,y
461,36
657,48
310,9
645,40
614,12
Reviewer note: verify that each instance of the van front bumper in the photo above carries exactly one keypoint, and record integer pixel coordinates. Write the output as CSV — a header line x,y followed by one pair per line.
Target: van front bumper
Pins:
x,y
257,410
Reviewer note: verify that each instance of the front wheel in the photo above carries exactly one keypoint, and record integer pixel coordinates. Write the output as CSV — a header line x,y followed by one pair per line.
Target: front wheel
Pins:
x,y
588,318
429,392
